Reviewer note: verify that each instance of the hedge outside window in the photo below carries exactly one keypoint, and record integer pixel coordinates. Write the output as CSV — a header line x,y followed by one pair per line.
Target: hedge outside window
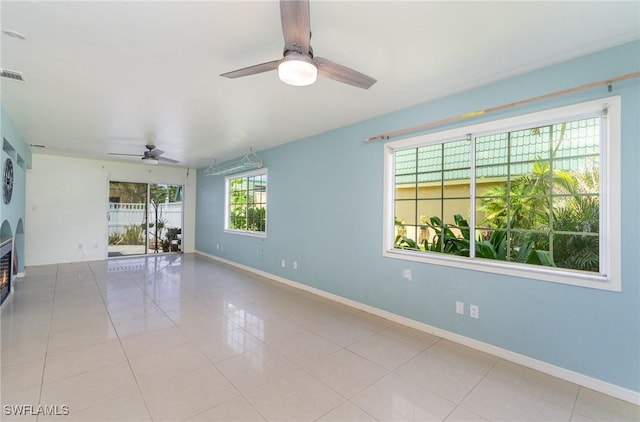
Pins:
x,y
247,202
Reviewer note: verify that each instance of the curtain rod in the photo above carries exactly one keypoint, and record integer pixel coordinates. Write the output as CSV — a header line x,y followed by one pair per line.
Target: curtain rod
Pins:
x,y
452,119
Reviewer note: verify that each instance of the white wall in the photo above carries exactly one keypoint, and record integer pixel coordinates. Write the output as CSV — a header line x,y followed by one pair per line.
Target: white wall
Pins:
x,y
67,202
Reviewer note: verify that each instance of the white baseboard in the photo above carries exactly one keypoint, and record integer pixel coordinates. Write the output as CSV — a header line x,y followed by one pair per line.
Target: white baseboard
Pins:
x,y
547,368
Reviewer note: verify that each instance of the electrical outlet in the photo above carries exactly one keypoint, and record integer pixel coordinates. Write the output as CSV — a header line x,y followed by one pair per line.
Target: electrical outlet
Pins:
x,y
474,311
407,275
459,307
283,263
295,265
80,246
217,246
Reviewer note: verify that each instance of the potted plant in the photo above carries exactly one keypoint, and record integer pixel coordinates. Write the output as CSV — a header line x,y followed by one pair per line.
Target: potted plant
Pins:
x,y
172,237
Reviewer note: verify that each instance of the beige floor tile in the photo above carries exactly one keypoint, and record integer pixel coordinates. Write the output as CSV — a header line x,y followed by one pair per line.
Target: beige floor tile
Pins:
x,y
410,336
22,376
347,412
133,309
162,290
77,361
90,388
463,356
441,377
24,327
580,418
530,381
499,401
362,318
16,400
345,372
296,396
254,368
22,351
273,330
173,307
159,366
202,324
153,341
313,317
225,345
236,410
395,398
461,414
188,394
126,408
142,324
344,334
98,321
304,348
384,351
68,340
600,407
185,309
247,315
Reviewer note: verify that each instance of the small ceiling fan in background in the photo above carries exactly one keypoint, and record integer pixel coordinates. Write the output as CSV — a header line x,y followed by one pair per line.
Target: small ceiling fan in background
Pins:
x,y
299,66
150,156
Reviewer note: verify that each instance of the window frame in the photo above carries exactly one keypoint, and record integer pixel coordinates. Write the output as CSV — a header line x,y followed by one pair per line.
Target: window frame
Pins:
x,y
610,200
227,193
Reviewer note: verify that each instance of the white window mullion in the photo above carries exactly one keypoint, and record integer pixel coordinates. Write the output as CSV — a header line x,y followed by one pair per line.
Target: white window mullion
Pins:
x,y
604,220
472,196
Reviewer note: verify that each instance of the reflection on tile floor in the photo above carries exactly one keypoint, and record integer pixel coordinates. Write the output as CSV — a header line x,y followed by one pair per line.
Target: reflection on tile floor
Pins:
x,y
178,337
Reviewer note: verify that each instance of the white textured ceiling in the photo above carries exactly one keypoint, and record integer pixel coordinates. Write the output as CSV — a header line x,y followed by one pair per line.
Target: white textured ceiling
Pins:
x,y
108,76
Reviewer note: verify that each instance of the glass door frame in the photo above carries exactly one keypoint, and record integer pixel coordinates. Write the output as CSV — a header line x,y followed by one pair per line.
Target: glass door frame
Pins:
x,y
134,228
148,224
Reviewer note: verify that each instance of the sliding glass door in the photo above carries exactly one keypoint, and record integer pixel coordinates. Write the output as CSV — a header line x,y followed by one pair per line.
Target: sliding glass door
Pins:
x,y
165,218
144,218
127,218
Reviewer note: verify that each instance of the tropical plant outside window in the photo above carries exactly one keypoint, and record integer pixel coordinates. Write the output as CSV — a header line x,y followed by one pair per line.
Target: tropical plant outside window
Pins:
x,y
247,202
527,196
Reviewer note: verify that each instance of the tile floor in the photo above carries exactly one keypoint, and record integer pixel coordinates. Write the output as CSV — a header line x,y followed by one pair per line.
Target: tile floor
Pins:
x,y
178,337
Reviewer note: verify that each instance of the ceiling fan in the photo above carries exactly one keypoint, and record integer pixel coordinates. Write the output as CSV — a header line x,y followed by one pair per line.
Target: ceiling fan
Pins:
x,y
150,156
299,66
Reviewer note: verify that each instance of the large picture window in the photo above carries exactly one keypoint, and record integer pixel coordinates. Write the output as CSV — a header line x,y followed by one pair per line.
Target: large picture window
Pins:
x,y
246,198
524,196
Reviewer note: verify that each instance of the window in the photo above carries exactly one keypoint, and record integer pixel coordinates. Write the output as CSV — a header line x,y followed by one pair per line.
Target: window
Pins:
x,y
522,196
246,199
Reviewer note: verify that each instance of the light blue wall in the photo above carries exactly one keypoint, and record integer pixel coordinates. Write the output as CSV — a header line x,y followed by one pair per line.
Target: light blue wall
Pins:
x,y
325,212
14,212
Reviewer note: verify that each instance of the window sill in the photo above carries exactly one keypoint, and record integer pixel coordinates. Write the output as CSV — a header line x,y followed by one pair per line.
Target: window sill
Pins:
x,y
262,235
580,279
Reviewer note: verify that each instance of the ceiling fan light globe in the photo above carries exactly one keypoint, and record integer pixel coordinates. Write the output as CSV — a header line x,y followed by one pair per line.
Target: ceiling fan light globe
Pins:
x,y
149,160
297,70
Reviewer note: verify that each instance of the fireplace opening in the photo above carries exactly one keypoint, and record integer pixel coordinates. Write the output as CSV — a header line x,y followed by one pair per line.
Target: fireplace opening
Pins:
x,y
6,250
